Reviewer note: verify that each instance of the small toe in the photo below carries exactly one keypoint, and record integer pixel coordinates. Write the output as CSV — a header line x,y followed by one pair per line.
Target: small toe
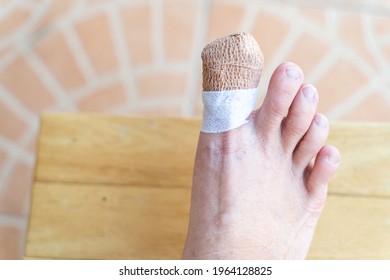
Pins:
x,y
325,166
311,143
299,117
284,85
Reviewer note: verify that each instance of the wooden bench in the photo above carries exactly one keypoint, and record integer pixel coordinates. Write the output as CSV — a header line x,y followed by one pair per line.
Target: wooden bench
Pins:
x,y
110,187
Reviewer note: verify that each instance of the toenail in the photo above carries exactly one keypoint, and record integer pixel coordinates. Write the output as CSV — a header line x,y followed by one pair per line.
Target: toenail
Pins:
x,y
293,73
309,92
320,121
334,159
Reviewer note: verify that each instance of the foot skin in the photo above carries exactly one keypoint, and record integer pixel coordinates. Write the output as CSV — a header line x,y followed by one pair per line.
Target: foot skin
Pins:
x,y
257,190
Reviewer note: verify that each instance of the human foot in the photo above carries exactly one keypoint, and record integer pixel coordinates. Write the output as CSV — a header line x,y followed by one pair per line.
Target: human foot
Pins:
x,y
257,192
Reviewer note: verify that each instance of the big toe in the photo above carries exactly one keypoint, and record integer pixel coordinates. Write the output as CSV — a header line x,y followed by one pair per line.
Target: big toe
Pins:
x,y
232,67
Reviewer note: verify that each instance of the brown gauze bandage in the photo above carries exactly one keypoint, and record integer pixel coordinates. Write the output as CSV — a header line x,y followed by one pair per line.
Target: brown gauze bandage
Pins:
x,y
232,67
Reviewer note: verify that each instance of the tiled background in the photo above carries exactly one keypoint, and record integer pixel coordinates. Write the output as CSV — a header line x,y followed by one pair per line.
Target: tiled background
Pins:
x,y
143,57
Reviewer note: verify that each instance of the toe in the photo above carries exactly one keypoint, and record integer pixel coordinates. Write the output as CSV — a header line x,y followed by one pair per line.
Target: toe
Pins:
x,y
284,85
311,143
325,166
299,117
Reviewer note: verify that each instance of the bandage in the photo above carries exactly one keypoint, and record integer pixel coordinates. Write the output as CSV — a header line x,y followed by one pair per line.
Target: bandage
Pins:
x,y
232,68
226,110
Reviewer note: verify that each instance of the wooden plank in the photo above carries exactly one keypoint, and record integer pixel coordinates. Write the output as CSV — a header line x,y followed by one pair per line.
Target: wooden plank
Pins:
x,y
79,221
118,187
353,227
116,150
365,158
106,149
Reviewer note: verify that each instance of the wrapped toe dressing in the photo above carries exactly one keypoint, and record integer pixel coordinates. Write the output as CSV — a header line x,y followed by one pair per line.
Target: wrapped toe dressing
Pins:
x,y
232,68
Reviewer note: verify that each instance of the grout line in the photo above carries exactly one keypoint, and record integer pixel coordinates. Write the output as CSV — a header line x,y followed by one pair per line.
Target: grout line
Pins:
x,y
17,107
284,48
78,51
30,134
351,55
14,220
323,66
8,8
194,72
332,23
371,43
331,34
116,26
88,89
157,32
384,90
27,5
147,104
348,104
360,8
86,10
16,152
362,65
132,2
384,40
15,155
19,35
251,12
168,67
122,109
8,58
78,10
167,101
47,79
5,171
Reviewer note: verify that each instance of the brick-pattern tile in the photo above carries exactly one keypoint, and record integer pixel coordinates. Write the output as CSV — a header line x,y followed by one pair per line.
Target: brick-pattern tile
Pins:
x,y
372,108
3,157
161,85
32,145
96,37
269,39
5,51
382,26
13,21
103,98
386,53
21,80
165,110
10,242
332,91
55,53
15,196
137,24
11,126
309,45
312,15
352,33
57,10
225,18
179,29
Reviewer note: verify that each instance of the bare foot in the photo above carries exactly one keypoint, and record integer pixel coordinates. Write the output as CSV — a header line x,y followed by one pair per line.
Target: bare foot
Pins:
x,y
257,192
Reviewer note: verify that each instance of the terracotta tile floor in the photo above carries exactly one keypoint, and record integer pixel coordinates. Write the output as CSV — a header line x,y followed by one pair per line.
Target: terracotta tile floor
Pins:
x,y
143,57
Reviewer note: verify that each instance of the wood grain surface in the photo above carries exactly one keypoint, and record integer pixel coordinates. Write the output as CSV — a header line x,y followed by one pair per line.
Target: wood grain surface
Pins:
x,y
111,187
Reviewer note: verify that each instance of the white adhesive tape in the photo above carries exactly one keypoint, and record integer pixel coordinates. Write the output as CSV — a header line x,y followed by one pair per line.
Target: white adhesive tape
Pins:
x,y
226,110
